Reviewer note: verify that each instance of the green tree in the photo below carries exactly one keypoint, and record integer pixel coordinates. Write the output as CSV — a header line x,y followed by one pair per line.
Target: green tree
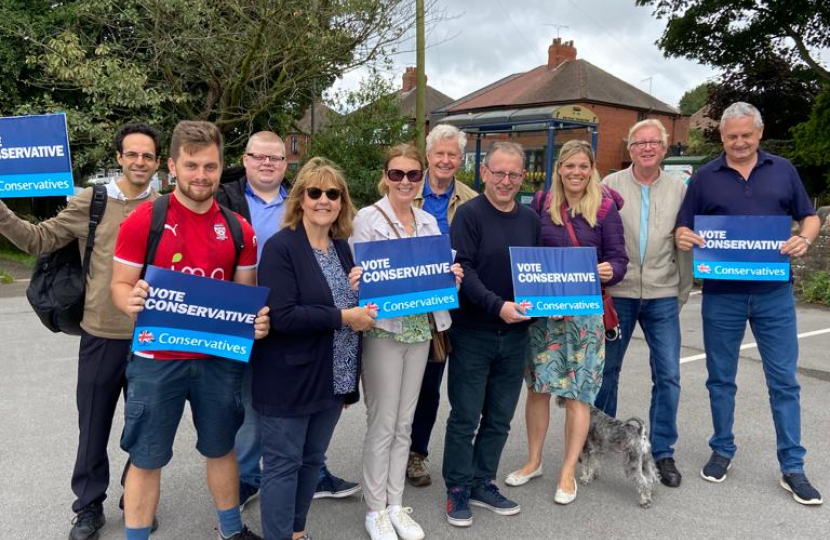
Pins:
x,y
730,33
812,144
357,141
246,65
693,100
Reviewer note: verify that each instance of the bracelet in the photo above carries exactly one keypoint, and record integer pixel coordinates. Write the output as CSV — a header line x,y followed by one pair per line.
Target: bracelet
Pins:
x,y
806,240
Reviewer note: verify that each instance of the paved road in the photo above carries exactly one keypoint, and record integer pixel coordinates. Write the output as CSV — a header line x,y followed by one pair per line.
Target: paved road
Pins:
x,y
38,446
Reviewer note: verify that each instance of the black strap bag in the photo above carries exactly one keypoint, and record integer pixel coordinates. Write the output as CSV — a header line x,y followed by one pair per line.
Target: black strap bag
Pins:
x,y
57,289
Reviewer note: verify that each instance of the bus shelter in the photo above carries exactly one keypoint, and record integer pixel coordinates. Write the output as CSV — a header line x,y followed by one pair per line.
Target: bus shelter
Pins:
x,y
550,120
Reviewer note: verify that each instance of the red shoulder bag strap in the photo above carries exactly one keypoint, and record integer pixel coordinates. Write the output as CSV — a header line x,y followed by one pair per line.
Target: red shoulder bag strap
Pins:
x,y
563,211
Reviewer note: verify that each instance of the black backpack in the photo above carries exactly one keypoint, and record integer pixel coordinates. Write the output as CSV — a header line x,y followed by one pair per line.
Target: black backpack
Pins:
x,y
58,286
159,216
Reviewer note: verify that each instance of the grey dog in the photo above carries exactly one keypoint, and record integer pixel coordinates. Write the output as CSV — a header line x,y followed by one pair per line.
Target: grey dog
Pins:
x,y
628,438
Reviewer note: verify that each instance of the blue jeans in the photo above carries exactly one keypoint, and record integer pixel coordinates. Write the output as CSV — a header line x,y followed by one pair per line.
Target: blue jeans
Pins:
x,y
771,317
486,370
660,321
247,438
293,451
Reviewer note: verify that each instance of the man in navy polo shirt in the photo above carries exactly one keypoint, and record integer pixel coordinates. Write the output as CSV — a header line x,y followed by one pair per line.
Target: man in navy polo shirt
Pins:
x,y
747,181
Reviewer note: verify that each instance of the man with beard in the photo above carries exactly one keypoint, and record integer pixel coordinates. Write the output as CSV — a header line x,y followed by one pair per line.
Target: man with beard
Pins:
x,y
106,332
195,240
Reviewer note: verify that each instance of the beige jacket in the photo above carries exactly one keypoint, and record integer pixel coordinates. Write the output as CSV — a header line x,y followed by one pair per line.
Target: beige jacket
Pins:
x,y
665,271
461,194
101,317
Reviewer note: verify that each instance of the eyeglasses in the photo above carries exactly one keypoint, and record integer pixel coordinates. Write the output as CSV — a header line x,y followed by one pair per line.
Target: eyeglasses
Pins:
x,y
641,145
315,193
396,175
133,156
500,175
263,157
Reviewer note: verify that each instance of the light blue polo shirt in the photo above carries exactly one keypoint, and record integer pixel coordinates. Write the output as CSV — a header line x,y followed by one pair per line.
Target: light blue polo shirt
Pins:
x,y
266,218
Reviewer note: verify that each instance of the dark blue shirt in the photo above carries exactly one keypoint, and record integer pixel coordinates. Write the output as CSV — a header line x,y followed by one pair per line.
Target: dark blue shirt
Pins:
x,y
482,236
773,188
437,205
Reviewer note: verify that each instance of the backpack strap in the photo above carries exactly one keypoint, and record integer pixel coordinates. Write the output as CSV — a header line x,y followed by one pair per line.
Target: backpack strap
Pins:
x,y
236,233
159,216
96,214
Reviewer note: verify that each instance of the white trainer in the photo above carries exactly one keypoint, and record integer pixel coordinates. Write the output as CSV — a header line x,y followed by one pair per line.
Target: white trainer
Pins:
x,y
379,526
404,525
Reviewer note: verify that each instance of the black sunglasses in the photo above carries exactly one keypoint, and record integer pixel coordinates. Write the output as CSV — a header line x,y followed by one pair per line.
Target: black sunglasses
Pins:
x,y
396,175
315,193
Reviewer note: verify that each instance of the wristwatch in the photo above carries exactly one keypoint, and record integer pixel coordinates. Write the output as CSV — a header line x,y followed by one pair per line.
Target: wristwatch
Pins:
x,y
806,240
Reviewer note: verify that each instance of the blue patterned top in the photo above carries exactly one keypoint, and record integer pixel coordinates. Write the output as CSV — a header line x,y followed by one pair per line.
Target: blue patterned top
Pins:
x,y
345,339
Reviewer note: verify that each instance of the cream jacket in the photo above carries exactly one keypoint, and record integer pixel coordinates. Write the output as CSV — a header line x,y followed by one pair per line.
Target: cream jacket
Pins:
x,y
665,271
369,224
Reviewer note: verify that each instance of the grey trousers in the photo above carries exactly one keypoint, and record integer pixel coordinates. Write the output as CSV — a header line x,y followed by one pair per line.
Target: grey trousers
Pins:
x,y
392,375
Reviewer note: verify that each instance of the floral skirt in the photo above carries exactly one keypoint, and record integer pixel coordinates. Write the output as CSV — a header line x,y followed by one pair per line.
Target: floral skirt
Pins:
x,y
567,357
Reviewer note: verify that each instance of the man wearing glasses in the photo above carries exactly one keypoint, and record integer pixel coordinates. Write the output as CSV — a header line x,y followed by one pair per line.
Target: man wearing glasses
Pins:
x,y
105,341
655,287
489,337
259,197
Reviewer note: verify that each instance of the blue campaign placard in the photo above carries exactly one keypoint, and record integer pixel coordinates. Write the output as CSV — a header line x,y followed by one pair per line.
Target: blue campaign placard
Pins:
x,y
196,314
551,281
407,276
34,156
746,248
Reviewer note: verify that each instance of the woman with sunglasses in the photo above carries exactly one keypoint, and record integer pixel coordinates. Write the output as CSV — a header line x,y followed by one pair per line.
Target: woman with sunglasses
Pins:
x,y
306,369
394,354
568,354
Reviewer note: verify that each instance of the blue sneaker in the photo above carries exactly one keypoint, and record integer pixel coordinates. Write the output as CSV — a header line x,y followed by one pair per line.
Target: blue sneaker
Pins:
x,y
332,487
487,495
801,488
715,469
458,507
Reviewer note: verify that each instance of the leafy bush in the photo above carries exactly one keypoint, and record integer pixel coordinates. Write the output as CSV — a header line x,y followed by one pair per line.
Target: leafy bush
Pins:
x,y
816,288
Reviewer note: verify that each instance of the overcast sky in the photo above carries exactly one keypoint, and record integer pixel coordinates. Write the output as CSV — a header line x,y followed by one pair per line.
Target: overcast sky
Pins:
x,y
484,40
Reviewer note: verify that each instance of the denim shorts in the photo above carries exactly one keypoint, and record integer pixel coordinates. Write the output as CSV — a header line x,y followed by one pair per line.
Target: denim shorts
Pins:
x,y
156,394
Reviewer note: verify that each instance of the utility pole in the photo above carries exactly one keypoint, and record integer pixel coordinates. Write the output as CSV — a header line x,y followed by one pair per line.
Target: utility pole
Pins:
x,y
421,79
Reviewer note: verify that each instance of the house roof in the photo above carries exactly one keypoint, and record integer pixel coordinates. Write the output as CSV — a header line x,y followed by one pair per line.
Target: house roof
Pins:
x,y
322,118
572,81
434,100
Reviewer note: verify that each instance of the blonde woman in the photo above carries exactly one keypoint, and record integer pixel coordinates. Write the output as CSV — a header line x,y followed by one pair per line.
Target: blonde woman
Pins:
x,y
568,354
394,354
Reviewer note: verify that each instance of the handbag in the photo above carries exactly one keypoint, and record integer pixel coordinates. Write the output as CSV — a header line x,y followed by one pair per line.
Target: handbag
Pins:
x,y
439,344
610,319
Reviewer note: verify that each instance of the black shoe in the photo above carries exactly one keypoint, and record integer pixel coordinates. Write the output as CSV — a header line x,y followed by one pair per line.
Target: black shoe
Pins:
x,y
715,469
153,527
247,494
244,534
801,488
87,522
332,487
669,475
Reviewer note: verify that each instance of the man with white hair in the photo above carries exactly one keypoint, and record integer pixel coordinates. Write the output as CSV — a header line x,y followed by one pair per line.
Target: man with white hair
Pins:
x,y
744,180
441,195
655,286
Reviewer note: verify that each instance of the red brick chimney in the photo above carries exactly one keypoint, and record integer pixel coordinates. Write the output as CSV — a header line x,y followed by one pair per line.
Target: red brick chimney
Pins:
x,y
560,52
410,80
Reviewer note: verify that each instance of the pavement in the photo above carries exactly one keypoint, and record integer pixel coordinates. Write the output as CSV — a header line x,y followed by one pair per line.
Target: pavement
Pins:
x,y
39,436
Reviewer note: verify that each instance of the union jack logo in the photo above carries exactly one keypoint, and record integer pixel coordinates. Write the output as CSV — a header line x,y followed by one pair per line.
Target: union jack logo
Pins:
x,y
145,336
528,305
704,268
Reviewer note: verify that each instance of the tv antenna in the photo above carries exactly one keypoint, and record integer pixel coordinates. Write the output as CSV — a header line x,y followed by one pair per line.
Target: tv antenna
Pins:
x,y
558,27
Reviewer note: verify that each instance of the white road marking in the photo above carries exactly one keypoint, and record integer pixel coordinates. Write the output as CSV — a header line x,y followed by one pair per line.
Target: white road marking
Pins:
x,y
754,345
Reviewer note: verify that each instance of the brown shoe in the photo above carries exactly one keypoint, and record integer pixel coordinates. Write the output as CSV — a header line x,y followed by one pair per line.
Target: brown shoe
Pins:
x,y
417,472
